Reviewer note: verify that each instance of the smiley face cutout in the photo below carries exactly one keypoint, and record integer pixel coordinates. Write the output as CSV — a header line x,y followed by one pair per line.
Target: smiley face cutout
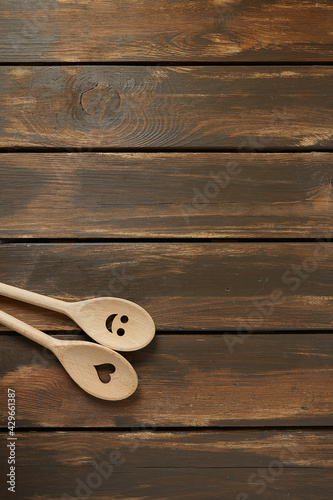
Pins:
x,y
110,324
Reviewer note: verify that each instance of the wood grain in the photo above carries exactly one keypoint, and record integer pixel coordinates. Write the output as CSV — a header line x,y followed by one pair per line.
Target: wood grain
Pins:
x,y
164,465
126,195
184,286
184,484
176,30
244,329
181,108
184,380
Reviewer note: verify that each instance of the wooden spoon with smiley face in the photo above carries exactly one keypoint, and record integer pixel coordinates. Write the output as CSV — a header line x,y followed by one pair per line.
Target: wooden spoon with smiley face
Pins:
x,y
115,323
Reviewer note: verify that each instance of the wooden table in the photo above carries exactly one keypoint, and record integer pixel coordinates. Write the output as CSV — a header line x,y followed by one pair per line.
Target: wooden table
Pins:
x,y
177,154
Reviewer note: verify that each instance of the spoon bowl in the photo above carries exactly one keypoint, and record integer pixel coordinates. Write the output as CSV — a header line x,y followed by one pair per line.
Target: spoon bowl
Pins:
x,y
84,361
115,323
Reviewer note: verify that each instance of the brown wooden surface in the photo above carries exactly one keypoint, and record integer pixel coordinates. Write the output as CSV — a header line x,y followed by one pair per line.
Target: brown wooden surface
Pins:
x,y
184,380
176,30
184,483
244,108
113,117
164,465
191,286
210,195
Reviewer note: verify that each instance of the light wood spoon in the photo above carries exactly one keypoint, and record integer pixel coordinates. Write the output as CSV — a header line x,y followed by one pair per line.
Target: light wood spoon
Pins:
x,y
115,323
84,361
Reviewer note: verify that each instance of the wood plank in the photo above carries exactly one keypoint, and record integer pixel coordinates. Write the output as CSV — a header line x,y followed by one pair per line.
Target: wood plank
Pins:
x,y
126,195
184,380
176,30
184,286
164,465
179,484
183,108
204,449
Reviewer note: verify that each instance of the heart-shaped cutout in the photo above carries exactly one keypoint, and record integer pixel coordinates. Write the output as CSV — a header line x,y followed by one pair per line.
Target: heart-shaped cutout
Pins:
x,y
105,371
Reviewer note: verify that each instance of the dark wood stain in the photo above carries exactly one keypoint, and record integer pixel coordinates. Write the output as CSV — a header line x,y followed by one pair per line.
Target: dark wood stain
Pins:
x,y
185,286
189,465
182,484
184,380
177,30
244,336
126,195
184,108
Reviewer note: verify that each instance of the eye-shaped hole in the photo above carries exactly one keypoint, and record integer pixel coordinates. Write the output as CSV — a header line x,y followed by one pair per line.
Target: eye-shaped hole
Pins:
x,y
124,319
104,372
120,332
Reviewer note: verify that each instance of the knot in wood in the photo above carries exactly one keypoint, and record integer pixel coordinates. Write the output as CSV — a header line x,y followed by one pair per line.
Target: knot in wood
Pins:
x,y
101,101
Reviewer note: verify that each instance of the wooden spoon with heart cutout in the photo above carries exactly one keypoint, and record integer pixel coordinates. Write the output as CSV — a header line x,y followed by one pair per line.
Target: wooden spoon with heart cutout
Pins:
x,y
115,323
84,361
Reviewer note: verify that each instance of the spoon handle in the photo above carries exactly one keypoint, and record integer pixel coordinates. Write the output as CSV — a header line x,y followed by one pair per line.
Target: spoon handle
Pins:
x,y
28,331
32,298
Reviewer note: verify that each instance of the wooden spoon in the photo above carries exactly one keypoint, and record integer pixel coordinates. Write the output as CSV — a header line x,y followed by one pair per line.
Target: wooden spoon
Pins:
x,y
115,323
84,362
